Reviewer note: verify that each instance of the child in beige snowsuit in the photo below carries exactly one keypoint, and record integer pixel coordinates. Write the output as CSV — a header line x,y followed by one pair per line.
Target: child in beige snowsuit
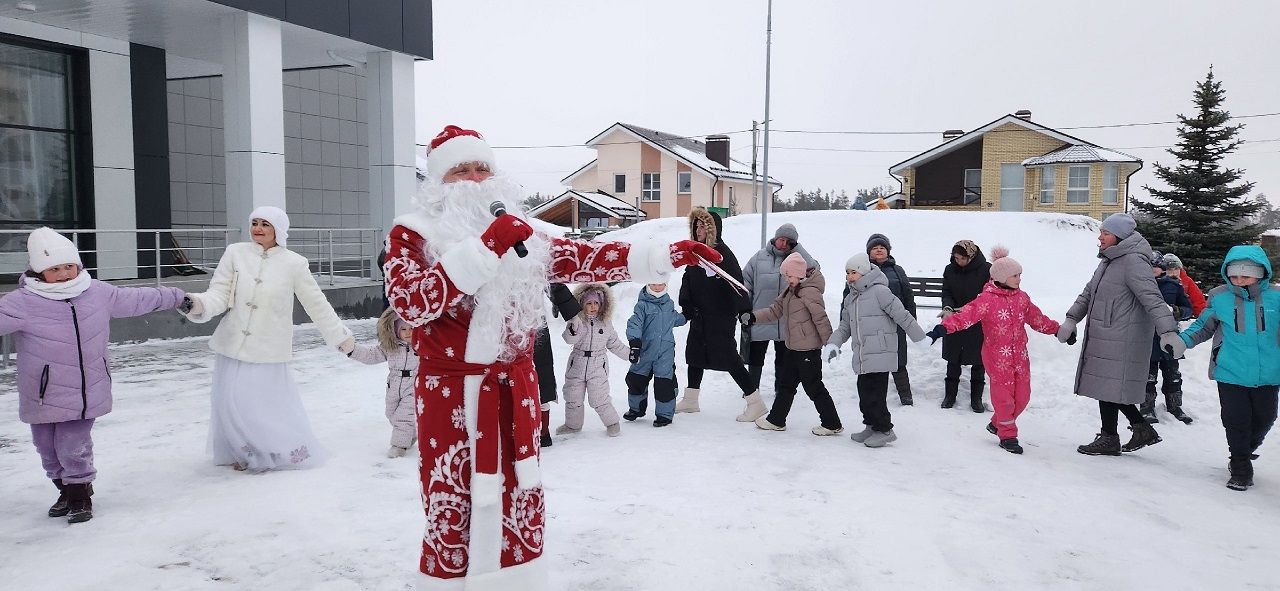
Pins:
x,y
395,349
592,335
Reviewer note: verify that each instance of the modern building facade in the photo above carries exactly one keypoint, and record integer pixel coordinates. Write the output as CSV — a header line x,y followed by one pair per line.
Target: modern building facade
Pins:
x,y
181,114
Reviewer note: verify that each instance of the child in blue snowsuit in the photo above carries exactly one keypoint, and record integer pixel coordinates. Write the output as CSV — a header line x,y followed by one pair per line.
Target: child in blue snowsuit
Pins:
x,y
1161,361
1243,319
653,354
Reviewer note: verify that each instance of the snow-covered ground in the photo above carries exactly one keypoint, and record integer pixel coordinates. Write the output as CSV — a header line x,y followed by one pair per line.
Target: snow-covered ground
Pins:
x,y
704,504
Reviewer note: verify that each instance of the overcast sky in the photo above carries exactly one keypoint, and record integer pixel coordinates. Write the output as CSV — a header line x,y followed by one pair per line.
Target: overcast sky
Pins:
x,y
534,73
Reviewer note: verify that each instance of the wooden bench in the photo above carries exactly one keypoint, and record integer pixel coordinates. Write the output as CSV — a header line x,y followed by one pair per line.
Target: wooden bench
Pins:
x,y
927,287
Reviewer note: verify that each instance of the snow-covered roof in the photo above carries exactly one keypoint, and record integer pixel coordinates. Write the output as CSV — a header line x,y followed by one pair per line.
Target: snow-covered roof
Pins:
x,y
975,135
1078,154
686,149
600,200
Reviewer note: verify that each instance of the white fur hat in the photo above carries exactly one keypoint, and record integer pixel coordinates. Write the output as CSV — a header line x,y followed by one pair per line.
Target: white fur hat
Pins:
x,y
47,248
278,218
455,146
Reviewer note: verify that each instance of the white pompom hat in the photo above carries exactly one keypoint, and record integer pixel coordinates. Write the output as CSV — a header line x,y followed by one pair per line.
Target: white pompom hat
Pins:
x,y
47,248
278,218
455,146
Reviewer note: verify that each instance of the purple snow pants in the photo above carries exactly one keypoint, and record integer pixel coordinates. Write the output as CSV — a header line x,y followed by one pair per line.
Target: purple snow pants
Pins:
x,y
66,450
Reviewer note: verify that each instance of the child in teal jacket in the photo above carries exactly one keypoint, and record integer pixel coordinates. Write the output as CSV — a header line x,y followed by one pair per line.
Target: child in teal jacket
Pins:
x,y
1243,319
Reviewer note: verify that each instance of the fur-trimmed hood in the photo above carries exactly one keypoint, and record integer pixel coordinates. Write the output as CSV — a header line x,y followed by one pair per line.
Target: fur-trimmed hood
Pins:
x,y
712,220
388,336
606,303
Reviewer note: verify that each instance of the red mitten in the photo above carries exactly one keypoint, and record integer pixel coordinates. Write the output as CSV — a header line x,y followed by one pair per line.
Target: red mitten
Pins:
x,y
505,232
682,253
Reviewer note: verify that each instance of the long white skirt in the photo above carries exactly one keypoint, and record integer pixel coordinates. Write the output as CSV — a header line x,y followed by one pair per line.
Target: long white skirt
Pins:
x,y
258,421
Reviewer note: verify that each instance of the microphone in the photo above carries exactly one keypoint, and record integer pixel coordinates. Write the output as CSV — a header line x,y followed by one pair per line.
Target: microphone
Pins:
x,y
498,210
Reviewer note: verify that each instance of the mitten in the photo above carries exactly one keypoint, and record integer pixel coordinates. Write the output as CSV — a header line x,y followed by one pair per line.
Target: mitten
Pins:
x,y
505,232
1173,344
936,333
682,253
1066,329
635,350
747,318
830,352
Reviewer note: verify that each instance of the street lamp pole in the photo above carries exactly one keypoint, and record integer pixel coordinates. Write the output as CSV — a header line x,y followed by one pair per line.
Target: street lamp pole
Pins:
x,y
766,196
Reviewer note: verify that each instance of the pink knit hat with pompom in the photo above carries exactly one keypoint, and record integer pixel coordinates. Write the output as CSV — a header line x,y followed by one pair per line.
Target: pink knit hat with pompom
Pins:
x,y
1003,267
794,266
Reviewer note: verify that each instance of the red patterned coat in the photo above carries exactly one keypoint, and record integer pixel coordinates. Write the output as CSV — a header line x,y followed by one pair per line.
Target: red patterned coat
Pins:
x,y
478,418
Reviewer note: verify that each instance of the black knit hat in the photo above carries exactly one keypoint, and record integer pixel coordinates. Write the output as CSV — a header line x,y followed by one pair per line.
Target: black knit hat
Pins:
x,y
878,240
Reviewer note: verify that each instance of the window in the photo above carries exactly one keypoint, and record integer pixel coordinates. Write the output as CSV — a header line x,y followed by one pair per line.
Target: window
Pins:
x,y
1111,184
1078,184
41,145
1012,187
684,182
619,183
972,185
652,189
1048,181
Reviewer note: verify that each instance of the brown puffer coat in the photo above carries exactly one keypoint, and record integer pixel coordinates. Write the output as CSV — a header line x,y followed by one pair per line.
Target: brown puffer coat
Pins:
x,y
805,326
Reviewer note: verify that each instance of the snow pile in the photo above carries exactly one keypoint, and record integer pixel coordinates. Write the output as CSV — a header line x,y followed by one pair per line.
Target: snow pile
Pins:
x,y
704,504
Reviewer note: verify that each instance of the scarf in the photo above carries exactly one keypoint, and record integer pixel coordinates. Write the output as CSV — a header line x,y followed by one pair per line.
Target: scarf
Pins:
x,y
58,291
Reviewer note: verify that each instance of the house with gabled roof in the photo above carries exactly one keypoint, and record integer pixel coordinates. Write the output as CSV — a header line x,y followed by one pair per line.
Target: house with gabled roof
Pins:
x,y
1015,164
665,175
587,210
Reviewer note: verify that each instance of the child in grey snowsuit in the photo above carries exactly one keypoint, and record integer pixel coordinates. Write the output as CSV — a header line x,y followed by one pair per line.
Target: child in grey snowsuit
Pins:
x,y
653,354
395,348
872,315
592,335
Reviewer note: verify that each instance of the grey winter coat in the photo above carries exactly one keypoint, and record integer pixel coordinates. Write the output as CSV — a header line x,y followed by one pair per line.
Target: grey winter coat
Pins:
x,y
1123,308
765,282
872,315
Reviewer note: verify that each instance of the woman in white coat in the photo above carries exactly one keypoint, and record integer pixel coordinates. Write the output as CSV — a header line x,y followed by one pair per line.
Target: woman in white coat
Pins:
x,y
258,421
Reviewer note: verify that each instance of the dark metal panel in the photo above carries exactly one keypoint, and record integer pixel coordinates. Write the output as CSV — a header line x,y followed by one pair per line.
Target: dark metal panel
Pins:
x,y
417,28
330,16
152,207
272,8
377,22
942,179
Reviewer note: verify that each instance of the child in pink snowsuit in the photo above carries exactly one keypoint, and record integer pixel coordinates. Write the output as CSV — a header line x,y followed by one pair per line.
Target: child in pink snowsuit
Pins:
x,y
395,348
1003,309
593,337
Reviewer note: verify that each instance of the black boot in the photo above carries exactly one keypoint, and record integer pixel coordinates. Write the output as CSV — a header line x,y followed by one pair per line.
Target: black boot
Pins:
x,y
1143,435
902,382
59,508
1011,445
977,383
1241,473
1148,406
975,402
661,421
951,389
546,429
991,428
79,505
1173,404
1103,445
633,414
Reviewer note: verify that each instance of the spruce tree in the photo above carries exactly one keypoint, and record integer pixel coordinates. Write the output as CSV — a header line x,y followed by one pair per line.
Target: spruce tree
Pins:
x,y
1205,211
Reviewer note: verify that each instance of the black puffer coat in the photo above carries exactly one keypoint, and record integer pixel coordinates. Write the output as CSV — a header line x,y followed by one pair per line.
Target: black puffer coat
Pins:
x,y
564,305
711,304
960,285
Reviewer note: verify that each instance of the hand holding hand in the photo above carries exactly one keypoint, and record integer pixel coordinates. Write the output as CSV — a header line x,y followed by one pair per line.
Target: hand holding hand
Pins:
x,y
682,253
191,306
747,318
1173,344
936,333
505,232
348,345
635,350
946,313
1066,330
830,352
1071,340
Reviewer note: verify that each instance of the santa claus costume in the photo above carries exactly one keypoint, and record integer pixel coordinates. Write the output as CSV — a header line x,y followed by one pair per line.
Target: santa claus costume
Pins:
x,y
453,273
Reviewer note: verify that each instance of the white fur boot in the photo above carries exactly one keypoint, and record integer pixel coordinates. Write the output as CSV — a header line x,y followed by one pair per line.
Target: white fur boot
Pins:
x,y
755,408
689,402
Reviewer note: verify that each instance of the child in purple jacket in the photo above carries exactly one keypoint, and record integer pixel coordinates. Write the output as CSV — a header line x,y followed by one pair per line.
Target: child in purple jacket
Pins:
x,y
60,318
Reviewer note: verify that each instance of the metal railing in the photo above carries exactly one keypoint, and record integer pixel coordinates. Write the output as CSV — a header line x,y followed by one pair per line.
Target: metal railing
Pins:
x,y
173,255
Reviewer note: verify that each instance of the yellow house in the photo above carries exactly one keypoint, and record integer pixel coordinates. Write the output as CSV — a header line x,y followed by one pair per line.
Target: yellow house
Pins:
x,y
1015,164
666,175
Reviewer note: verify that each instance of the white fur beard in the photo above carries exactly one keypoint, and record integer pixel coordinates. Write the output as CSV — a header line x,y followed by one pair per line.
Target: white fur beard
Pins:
x,y
513,302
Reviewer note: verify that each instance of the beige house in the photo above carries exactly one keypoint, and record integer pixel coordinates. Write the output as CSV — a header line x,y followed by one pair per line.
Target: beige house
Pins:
x,y
666,175
1014,164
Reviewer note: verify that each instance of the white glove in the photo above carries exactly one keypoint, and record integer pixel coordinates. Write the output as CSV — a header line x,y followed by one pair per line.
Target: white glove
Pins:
x,y
348,345
1066,329
829,352
1173,344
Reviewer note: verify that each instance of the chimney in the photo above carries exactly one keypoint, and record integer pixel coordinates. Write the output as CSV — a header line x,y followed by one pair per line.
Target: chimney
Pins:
x,y
1024,114
718,149
951,134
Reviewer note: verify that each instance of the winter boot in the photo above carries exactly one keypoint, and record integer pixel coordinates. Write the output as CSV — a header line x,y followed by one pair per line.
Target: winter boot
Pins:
x,y
661,421
1148,406
951,389
879,439
763,423
396,451
545,439
567,430
79,505
976,385
1143,435
1241,473
754,410
1173,404
861,436
1103,445
689,403
59,508
613,430
633,414
991,428
824,432
1011,445
902,383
